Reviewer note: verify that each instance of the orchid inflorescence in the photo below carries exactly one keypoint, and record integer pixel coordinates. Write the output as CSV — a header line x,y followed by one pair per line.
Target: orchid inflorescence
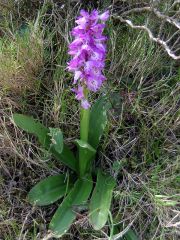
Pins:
x,y
88,50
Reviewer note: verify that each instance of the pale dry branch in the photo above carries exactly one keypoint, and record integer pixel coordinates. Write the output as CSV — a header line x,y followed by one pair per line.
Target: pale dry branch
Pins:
x,y
157,40
170,42
175,2
160,15
136,10
168,19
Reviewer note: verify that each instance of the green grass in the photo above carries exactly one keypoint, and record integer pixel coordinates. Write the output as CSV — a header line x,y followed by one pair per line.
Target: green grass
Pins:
x,y
21,58
139,148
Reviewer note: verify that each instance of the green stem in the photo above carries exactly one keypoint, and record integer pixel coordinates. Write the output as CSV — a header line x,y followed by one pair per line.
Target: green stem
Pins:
x,y
84,123
84,129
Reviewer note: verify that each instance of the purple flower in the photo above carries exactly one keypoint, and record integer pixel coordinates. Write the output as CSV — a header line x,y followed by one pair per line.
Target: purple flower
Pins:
x,y
85,104
79,93
88,52
104,16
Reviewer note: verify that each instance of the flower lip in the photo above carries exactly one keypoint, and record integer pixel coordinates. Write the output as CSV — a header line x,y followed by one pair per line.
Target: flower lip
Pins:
x,y
79,92
104,16
77,75
85,104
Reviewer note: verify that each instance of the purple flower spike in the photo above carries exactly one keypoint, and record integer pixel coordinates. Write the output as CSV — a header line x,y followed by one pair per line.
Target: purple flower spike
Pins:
x,y
88,52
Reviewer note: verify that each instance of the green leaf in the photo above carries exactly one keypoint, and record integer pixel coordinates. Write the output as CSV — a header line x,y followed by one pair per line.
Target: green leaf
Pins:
x,y
130,235
86,154
49,190
30,125
101,200
65,215
66,157
98,121
59,150
56,139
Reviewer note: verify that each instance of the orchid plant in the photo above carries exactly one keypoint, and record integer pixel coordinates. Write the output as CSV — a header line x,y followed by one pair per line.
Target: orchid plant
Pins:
x,y
83,185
